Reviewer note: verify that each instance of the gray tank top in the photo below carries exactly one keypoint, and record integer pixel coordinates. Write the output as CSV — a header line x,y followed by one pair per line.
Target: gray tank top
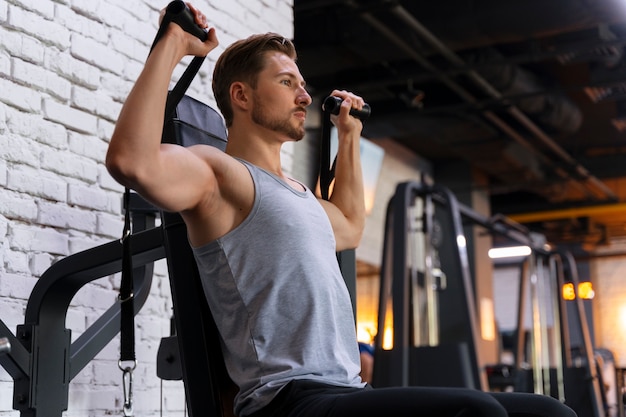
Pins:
x,y
278,298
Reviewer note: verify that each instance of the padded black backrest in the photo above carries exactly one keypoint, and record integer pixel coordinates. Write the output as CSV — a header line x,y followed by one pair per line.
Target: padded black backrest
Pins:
x,y
198,339
194,123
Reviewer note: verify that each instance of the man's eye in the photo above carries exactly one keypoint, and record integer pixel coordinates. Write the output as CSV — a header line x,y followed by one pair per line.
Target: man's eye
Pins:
x,y
286,82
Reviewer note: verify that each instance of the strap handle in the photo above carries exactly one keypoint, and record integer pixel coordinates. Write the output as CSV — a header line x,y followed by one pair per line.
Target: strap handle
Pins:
x,y
126,296
177,12
327,173
127,362
330,106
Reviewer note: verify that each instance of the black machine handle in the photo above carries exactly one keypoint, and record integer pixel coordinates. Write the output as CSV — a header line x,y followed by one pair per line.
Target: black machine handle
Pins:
x,y
178,12
331,104
181,15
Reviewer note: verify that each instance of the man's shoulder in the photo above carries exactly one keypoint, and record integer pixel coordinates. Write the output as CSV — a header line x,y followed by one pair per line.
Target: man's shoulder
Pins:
x,y
219,161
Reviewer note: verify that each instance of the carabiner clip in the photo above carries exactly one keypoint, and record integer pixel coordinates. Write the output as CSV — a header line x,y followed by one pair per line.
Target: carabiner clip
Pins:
x,y
127,382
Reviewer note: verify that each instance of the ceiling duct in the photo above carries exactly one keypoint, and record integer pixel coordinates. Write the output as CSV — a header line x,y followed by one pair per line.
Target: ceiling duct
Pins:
x,y
523,89
418,65
582,180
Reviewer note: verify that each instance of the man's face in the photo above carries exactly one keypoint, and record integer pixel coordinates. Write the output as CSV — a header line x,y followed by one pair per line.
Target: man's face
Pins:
x,y
280,97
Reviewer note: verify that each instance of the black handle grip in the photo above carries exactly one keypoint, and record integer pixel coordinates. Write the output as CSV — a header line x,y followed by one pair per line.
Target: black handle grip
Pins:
x,y
180,14
331,104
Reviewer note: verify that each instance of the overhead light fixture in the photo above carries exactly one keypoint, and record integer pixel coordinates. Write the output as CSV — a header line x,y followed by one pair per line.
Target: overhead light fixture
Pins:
x,y
509,252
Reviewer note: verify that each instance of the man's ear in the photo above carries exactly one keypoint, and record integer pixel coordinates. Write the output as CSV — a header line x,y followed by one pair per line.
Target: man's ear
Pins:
x,y
239,95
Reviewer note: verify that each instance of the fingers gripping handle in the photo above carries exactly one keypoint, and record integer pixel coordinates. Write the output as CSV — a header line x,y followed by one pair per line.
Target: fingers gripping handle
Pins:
x,y
332,104
180,14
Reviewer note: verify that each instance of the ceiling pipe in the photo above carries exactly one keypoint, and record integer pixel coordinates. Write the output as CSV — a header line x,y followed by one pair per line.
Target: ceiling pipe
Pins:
x,y
463,24
468,97
598,186
552,109
600,189
564,54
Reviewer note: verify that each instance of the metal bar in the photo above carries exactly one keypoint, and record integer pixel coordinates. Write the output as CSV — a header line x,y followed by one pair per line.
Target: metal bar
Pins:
x,y
14,358
543,322
555,268
382,373
385,280
536,345
430,255
5,346
592,373
462,259
563,315
43,336
520,352
58,285
400,285
509,229
413,249
104,329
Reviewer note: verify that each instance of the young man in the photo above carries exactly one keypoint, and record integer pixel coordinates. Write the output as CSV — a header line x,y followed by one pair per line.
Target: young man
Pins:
x,y
265,246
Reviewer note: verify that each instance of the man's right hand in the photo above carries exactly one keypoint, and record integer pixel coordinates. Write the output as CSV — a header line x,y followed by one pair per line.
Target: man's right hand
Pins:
x,y
194,46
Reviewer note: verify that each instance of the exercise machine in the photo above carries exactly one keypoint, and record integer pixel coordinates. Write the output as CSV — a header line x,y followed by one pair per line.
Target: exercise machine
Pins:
x,y
427,319
426,292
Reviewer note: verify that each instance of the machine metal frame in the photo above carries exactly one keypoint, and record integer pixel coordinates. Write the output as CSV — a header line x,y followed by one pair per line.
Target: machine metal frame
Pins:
x,y
417,360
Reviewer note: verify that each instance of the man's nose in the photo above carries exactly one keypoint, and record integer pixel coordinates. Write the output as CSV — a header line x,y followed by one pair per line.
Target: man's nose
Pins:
x,y
304,98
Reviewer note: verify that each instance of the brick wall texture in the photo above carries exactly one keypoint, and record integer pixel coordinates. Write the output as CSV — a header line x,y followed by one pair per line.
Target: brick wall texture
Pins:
x,y
65,68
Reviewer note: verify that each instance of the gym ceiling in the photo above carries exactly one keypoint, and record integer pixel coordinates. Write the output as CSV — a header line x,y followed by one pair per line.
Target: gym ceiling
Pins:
x,y
531,93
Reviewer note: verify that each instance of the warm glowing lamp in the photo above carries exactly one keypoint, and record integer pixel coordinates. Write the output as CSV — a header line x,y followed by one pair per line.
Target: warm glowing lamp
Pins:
x,y
568,291
585,290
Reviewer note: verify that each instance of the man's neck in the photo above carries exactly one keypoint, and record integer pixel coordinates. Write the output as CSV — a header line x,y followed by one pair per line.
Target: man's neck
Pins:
x,y
256,151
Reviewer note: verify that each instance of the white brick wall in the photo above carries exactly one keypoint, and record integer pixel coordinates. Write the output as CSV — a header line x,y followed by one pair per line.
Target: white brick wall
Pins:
x,y
65,68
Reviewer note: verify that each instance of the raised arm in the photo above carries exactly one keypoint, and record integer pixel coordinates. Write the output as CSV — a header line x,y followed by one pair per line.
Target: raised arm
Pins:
x,y
172,177
346,205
